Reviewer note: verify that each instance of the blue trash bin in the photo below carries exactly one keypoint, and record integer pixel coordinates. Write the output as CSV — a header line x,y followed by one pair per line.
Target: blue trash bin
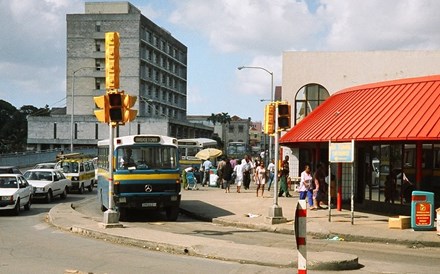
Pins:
x,y
422,210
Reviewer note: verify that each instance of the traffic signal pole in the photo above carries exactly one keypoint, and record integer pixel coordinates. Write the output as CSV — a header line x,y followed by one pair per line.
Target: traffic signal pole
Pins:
x,y
275,211
114,109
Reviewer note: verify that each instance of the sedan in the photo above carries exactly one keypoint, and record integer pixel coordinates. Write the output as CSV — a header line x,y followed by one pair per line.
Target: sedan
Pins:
x,y
15,192
48,183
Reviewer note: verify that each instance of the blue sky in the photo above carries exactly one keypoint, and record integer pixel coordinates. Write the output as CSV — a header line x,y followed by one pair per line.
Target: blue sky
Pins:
x,y
221,35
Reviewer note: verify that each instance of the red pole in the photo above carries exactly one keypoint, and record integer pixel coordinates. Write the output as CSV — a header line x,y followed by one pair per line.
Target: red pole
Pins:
x,y
339,180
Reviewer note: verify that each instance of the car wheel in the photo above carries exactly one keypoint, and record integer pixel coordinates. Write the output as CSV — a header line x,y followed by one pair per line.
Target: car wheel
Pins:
x,y
49,196
16,209
81,189
64,194
27,206
172,213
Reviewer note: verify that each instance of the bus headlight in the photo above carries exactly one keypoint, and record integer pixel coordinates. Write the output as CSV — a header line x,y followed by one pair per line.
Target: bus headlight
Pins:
x,y
122,200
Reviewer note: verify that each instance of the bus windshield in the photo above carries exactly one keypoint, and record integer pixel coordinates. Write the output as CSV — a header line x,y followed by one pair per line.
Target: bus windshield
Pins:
x,y
146,157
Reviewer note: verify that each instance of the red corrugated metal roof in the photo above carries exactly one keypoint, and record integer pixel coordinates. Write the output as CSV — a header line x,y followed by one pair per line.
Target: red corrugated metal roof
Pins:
x,y
406,109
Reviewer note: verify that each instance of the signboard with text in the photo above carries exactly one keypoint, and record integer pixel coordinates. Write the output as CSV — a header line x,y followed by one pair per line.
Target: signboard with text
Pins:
x,y
341,152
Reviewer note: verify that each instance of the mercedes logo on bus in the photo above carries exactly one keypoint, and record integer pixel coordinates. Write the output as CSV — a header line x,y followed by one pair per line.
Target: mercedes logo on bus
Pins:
x,y
148,188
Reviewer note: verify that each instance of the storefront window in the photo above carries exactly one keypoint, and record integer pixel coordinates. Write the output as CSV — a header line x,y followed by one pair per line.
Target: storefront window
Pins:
x,y
437,156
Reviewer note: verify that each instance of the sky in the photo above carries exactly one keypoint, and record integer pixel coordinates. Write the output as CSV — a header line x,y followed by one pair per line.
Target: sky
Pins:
x,y
221,35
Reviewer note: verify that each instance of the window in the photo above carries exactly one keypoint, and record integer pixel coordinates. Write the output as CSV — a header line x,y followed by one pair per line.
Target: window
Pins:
x,y
231,129
307,99
98,26
55,130
240,129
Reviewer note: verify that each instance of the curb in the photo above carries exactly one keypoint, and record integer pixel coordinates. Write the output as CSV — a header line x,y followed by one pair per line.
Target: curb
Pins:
x,y
273,257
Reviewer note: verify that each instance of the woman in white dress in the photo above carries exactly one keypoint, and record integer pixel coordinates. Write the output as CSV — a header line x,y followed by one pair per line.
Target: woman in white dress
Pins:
x,y
260,178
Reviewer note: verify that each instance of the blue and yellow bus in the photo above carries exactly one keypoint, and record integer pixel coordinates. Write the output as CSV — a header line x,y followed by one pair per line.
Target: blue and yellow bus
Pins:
x,y
145,174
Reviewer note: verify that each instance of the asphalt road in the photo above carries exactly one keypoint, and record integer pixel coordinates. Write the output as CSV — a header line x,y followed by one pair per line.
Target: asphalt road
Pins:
x,y
30,245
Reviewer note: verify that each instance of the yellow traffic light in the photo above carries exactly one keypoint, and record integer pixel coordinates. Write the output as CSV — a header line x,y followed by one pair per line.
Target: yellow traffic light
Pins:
x,y
269,118
115,107
128,102
102,113
283,116
112,60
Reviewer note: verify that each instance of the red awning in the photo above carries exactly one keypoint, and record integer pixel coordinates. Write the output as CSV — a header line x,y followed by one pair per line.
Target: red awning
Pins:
x,y
400,110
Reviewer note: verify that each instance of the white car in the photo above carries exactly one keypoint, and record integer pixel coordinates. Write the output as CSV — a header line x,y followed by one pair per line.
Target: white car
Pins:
x,y
48,183
15,192
45,166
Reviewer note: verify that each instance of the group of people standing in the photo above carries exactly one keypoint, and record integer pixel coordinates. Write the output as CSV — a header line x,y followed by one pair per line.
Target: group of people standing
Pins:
x,y
313,187
243,172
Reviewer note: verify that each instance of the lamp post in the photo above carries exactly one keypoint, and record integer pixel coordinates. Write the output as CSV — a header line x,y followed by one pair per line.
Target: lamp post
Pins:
x,y
73,104
275,212
271,98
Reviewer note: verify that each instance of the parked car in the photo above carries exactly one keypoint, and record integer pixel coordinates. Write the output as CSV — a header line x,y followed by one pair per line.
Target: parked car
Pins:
x,y
15,192
9,170
48,183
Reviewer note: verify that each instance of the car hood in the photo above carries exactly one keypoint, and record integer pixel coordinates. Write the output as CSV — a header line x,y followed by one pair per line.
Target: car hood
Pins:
x,y
38,183
7,191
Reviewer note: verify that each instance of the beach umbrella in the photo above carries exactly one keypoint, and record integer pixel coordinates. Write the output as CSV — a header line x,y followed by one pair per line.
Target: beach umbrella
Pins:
x,y
207,153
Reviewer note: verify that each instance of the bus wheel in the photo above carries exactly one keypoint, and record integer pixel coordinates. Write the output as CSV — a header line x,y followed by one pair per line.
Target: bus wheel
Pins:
x,y
172,213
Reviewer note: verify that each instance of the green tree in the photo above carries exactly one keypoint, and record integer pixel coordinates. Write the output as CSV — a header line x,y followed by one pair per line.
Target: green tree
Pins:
x,y
13,125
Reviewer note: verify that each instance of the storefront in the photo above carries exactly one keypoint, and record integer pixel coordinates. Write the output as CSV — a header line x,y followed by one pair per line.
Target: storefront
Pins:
x,y
395,126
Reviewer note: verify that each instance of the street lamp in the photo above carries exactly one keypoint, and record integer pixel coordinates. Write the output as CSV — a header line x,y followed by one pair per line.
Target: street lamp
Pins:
x,y
275,212
271,98
73,104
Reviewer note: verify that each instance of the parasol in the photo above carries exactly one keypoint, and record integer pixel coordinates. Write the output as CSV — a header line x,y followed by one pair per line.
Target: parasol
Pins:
x,y
208,153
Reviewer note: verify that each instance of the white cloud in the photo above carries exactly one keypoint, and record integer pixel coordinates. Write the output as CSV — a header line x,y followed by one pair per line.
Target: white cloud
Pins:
x,y
33,50
248,26
381,25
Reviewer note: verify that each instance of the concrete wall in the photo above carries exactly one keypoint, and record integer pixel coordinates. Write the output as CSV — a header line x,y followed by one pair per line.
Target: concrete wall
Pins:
x,y
339,70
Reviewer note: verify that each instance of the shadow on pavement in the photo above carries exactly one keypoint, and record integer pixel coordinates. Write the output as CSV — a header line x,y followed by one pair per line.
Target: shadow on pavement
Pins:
x,y
203,211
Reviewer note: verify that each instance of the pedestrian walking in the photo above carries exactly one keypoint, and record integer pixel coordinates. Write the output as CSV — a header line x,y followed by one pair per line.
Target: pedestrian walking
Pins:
x,y
284,173
260,177
271,168
306,186
238,170
206,171
319,186
246,166
227,175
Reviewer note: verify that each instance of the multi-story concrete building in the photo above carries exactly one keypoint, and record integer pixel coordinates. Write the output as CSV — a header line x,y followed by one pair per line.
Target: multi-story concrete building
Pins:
x,y
153,67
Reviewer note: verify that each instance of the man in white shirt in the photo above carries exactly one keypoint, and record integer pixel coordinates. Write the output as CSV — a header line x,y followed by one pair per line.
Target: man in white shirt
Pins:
x,y
206,168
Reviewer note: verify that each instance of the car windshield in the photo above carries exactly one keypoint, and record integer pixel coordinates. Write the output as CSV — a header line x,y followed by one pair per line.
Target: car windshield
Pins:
x,y
70,167
38,175
8,182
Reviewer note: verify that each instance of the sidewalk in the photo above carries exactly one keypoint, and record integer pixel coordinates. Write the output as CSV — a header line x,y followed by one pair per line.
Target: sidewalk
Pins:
x,y
233,208
246,210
